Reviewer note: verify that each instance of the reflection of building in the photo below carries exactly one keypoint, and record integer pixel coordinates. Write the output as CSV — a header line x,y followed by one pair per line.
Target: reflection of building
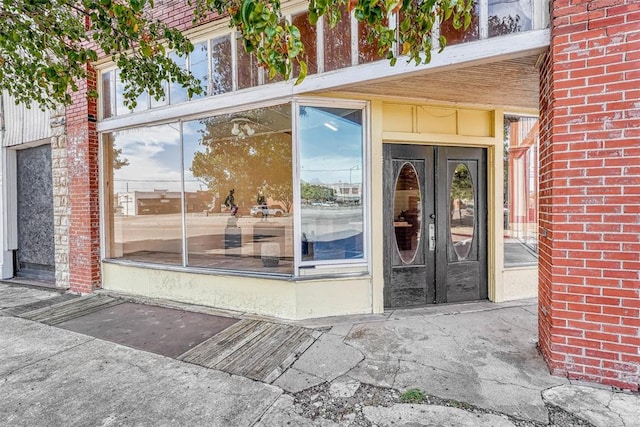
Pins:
x,y
352,105
159,202
522,198
347,193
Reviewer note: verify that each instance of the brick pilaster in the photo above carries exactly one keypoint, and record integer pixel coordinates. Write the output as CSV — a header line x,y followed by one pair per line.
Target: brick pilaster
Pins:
x,y
83,191
589,268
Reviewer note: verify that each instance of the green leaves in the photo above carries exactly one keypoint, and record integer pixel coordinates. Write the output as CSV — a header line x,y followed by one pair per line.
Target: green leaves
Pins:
x,y
45,46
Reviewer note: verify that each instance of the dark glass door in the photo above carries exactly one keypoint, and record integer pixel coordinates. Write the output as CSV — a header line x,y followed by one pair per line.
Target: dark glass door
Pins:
x,y
435,225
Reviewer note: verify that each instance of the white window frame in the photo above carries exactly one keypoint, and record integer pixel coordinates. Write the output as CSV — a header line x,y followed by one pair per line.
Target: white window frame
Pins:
x,y
318,267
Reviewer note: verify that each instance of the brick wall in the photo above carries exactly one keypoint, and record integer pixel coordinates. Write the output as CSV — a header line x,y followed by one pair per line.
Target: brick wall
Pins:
x,y
76,183
589,298
83,200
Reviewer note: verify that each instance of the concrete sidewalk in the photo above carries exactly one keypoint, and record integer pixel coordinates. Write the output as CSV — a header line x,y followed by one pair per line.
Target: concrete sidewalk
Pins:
x,y
463,365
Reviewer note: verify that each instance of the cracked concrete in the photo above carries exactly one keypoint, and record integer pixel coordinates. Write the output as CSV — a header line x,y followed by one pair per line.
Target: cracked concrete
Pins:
x,y
602,408
460,357
476,363
431,416
328,358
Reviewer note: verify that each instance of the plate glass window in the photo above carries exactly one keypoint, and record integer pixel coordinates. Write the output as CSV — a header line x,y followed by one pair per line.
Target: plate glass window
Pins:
x,y
331,178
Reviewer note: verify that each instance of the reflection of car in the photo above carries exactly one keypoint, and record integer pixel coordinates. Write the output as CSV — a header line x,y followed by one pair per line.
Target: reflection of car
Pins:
x,y
274,210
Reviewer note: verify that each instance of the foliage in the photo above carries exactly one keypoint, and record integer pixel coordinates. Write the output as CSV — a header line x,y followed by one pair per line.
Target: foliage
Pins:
x,y
118,162
412,395
316,193
251,165
46,45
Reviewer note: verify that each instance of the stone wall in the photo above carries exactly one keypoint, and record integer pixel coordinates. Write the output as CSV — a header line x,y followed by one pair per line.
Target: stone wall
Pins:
x,y
61,208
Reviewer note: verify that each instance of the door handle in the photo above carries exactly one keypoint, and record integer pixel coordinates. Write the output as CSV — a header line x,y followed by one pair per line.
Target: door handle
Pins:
x,y
432,237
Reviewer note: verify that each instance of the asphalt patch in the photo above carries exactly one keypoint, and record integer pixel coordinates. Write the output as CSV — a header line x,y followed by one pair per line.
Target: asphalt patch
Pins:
x,y
165,331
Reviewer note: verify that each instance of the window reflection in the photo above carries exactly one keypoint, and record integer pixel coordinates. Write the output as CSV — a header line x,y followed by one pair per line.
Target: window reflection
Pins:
x,y
462,212
509,16
407,216
177,93
247,67
199,66
120,108
145,204
108,83
331,174
221,65
521,190
238,182
337,43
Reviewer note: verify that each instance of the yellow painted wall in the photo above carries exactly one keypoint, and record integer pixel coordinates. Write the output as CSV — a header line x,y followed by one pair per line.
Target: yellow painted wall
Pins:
x,y
462,126
391,122
268,297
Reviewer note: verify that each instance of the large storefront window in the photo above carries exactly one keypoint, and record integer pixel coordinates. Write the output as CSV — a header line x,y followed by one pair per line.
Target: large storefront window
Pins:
x,y
240,165
520,191
146,197
218,192
331,178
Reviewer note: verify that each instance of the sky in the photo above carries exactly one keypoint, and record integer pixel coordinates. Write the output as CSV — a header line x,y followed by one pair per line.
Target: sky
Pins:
x,y
330,152
330,147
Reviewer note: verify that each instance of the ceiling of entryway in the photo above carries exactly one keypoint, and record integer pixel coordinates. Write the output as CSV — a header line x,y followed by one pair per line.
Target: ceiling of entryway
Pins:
x,y
508,83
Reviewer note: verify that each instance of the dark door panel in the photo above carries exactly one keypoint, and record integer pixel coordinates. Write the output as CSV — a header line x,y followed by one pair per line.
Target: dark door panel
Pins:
x,y
434,225
35,255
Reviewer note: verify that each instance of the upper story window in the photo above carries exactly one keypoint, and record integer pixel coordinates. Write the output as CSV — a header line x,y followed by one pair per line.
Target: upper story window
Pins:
x,y
222,65
509,16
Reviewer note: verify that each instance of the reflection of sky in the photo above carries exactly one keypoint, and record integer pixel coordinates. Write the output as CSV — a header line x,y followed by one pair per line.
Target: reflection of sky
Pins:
x,y
326,155
191,135
153,154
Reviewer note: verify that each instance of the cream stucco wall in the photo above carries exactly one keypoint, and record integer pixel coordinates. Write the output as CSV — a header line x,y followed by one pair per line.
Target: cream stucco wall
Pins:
x,y
390,122
283,299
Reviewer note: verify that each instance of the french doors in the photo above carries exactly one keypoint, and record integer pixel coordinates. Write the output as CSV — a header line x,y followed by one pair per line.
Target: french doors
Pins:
x,y
435,225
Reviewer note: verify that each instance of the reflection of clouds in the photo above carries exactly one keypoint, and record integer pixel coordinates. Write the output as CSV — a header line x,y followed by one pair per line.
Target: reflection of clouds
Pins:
x,y
153,154
191,136
333,153
330,170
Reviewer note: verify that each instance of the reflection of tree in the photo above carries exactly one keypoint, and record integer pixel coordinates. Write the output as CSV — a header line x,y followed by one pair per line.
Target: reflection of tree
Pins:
x,y
221,80
118,163
505,25
248,165
283,193
316,193
461,188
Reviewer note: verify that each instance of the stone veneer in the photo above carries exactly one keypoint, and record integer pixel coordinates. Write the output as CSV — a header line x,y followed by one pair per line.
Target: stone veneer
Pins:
x,y
61,208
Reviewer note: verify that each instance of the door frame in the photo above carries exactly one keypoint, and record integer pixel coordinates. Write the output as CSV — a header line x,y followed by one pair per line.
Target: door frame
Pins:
x,y
495,226
443,277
